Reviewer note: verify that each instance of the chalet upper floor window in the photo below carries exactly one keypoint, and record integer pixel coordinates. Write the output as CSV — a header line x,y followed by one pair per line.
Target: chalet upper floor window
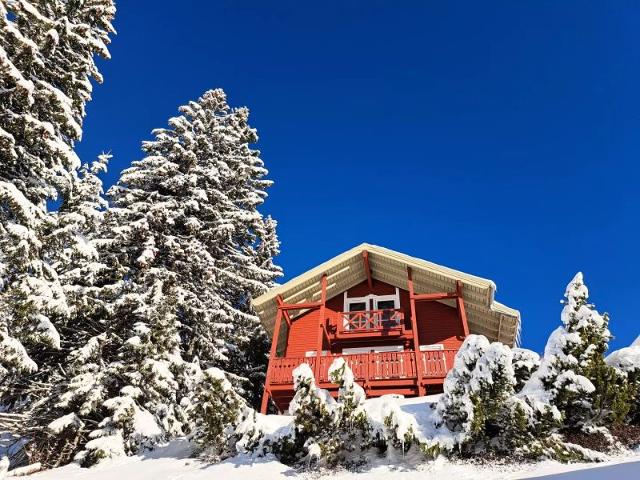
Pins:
x,y
372,302
372,311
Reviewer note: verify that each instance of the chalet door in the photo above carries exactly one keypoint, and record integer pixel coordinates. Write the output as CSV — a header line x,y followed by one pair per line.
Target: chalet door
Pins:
x,y
387,307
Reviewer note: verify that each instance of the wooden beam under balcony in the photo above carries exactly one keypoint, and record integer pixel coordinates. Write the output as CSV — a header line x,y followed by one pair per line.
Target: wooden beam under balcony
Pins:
x,y
285,313
398,333
426,297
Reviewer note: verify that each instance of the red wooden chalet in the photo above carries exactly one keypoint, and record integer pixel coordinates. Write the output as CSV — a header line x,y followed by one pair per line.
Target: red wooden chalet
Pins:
x,y
398,321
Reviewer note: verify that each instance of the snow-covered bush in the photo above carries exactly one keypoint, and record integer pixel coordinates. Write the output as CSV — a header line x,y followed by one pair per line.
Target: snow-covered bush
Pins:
x,y
126,430
626,361
398,432
525,363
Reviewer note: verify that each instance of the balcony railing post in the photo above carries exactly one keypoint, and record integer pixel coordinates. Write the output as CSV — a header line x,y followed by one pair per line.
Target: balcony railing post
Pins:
x,y
321,314
414,327
367,360
371,320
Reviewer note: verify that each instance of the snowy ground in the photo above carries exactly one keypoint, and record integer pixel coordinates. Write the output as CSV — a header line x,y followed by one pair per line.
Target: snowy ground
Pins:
x,y
173,463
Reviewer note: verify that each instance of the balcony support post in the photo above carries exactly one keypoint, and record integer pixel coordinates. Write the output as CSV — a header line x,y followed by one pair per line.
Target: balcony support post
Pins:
x,y
462,313
272,356
321,315
414,328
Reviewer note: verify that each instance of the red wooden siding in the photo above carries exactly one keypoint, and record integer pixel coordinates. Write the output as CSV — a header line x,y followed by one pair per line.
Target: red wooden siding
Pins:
x,y
303,336
439,323
407,373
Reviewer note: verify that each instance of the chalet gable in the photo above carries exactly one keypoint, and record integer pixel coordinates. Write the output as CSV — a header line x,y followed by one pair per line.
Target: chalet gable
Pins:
x,y
370,262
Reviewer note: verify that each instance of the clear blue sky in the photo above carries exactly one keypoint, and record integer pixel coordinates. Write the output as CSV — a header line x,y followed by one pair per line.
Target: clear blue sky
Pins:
x,y
498,138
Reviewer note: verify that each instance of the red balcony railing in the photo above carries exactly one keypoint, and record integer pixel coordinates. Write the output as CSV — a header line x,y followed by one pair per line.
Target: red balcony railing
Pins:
x,y
371,320
369,366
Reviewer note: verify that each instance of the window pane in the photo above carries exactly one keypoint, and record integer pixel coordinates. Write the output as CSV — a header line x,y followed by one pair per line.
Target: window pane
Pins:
x,y
384,304
357,306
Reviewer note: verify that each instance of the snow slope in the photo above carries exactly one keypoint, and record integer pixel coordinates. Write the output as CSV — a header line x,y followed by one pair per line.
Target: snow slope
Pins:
x,y
172,463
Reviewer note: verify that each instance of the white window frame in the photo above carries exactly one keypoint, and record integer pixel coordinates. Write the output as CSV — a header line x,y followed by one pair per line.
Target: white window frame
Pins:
x,y
385,298
376,298
376,349
349,300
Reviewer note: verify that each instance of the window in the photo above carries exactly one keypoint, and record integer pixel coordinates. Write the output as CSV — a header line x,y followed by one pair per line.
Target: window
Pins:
x,y
357,306
385,304
380,302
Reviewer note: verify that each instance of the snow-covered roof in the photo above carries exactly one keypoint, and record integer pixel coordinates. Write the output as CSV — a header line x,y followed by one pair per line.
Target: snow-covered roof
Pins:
x,y
485,315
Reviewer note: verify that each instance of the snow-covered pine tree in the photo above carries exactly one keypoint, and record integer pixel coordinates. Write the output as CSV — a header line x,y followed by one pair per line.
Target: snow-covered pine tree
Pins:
x,y
189,208
454,407
573,375
314,421
165,307
353,430
478,404
71,248
45,86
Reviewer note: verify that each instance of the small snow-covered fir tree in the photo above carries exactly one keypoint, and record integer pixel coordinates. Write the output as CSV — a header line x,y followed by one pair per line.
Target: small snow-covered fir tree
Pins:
x,y
353,430
478,403
573,375
455,407
313,410
216,413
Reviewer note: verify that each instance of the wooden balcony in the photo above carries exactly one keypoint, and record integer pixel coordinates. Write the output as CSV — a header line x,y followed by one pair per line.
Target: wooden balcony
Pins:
x,y
371,320
368,324
371,370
